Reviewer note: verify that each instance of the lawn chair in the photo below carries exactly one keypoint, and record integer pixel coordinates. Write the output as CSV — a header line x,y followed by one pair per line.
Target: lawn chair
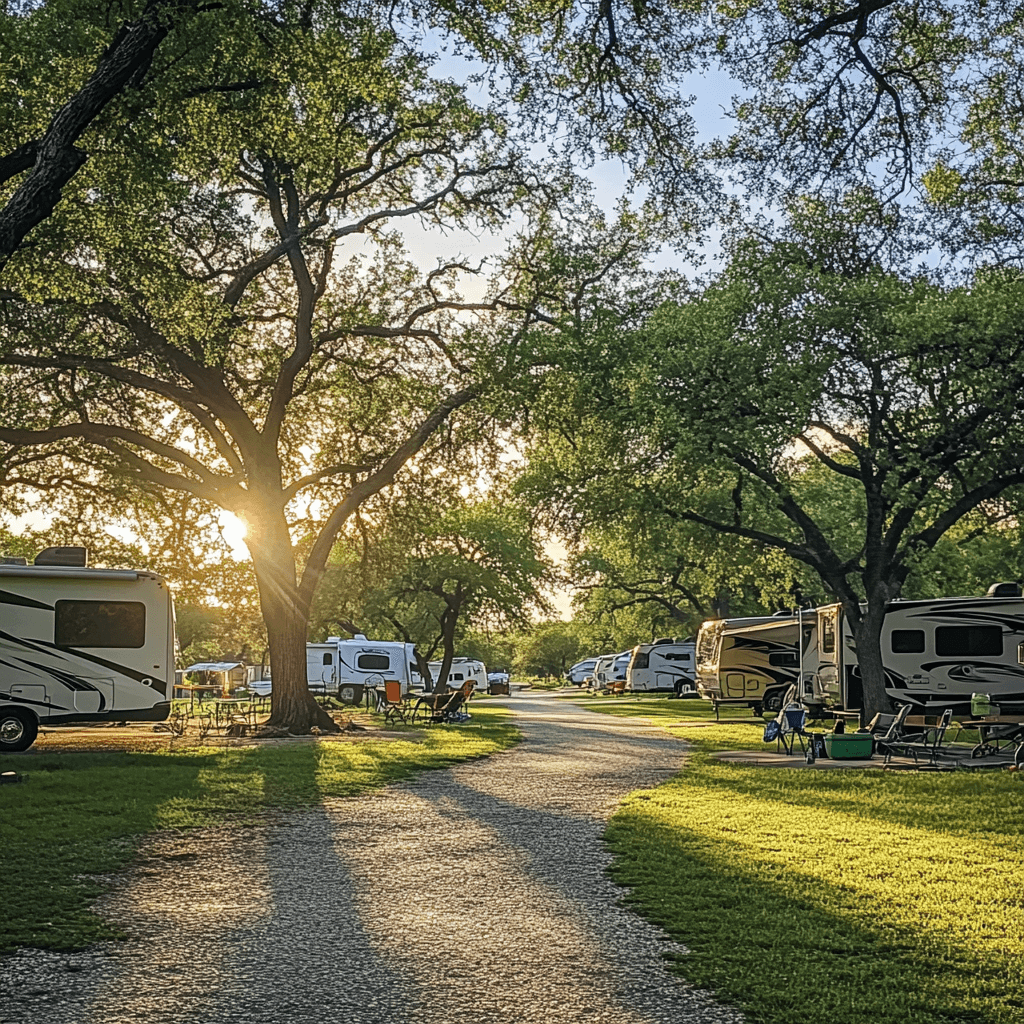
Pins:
x,y
392,703
792,721
438,709
888,729
930,744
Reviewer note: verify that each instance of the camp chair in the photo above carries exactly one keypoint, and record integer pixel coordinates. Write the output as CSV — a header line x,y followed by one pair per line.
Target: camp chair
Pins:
x,y
392,703
930,743
792,721
888,729
444,708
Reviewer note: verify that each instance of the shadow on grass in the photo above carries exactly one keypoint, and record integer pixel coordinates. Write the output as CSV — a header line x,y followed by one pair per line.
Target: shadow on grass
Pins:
x,y
756,939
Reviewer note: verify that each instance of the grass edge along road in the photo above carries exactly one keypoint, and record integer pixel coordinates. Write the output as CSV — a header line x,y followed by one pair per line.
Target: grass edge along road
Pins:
x,y
83,815
839,896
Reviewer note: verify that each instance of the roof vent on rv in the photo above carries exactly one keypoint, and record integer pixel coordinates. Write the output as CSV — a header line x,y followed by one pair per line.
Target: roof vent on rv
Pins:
x,y
76,557
662,640
13,560
1003,590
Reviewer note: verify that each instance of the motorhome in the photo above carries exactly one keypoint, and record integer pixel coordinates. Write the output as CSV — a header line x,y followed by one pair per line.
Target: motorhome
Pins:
x,y
752,661
661,665
337,662
936,653
461,670
581,671
81,645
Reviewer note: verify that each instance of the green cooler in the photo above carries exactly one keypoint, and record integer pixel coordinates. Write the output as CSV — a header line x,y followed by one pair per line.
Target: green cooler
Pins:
x,y
851,746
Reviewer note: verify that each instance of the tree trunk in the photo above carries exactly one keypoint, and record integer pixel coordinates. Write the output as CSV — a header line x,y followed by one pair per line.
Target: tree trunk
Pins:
x,y
293,707
867,636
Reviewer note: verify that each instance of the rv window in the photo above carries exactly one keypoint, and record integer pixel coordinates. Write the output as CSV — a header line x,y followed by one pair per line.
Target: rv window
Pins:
x,y
676,657
828,634
907,641
642,660
783,659
328,660
954,641
373,662
99,624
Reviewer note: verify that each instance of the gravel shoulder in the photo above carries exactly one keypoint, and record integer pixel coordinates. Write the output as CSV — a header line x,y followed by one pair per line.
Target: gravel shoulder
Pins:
x,y
476,894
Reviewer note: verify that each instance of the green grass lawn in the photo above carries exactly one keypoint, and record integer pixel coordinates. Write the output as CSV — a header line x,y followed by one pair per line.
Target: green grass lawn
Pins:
x,y
84,814
847,896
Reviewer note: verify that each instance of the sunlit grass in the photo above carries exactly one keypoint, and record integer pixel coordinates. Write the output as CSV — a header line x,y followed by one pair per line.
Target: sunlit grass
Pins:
x,y
839,896
84,814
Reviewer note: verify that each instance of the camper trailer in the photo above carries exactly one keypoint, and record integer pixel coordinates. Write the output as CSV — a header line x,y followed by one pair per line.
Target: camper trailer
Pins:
x,y
936,653
752,661
611,668
665,664
81,645
336,662
462,669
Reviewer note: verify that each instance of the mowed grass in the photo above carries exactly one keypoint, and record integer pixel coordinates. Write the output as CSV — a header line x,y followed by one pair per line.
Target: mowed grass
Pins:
x,y
830,896
81,815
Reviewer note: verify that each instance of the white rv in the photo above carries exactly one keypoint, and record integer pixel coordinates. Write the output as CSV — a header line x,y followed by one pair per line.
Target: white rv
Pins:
x,y
462,669
749,661
81,645
337,662
665,664
601,676
936,653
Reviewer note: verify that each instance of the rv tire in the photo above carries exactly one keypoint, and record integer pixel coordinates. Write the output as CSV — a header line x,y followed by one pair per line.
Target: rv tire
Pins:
x,y
18,730
773,702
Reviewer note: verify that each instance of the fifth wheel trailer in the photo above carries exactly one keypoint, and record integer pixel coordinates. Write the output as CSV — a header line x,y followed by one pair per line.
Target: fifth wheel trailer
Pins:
x,y
662,665
935,653
752,661
81,645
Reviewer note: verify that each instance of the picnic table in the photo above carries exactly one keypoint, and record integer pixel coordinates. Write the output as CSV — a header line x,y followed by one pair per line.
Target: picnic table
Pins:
x,y
996,733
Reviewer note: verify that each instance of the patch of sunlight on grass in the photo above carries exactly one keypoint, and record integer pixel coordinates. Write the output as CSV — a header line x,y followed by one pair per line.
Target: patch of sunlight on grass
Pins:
x,y
835,896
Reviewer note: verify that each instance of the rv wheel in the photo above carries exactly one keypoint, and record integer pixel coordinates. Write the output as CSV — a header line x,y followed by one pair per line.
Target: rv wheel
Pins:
x,y
773,703
18,730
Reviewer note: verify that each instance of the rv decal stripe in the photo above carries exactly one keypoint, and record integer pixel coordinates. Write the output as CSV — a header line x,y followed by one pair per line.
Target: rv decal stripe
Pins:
x,y
45,647
33,703
6,597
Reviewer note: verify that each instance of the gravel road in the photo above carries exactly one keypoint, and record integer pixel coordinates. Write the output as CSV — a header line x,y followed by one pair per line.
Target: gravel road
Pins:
x,y
475,895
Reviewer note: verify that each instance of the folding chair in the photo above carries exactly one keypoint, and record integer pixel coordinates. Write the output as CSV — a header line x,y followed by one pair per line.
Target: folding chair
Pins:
x,y
792,728
888,729
392,703
931,744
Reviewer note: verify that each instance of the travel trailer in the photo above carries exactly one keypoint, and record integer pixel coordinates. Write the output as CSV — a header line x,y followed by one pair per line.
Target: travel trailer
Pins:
x,y
665,664
81,645
752,661
461,670
611,668
936,653
337,662
581,671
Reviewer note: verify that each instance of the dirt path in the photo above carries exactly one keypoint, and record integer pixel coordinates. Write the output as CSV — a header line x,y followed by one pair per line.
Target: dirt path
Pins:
x,y
475,895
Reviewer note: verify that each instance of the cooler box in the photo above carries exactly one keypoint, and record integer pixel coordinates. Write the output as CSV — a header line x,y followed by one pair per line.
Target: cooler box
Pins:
x,y
850,745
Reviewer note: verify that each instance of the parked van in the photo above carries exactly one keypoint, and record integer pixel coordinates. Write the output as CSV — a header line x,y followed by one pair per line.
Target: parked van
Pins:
x,y
936,653
581,671
662,665
81,645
